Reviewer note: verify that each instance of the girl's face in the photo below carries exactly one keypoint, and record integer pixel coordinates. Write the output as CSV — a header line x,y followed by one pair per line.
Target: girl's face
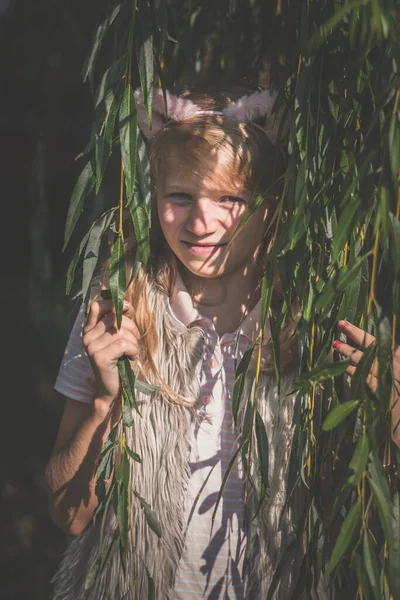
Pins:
x,y
199,212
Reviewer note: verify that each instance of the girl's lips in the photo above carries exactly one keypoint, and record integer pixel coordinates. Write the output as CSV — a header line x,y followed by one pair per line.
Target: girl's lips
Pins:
x,y
203,248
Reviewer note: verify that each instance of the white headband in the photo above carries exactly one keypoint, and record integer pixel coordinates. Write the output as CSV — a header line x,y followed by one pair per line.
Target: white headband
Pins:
x,y
245,110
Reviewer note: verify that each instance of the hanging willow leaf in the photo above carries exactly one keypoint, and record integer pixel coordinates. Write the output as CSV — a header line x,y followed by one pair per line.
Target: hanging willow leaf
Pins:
x,y
117,277
381,494
347,531
128,382
359,459
91,255
321,373
82,189
371,563
150,515
263,453
240,379
144,52
128,129
393,562
140,205
338,414
151,588
97,42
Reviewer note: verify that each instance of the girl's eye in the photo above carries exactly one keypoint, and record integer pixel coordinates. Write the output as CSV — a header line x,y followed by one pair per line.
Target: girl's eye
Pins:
x,y
179,197
233,199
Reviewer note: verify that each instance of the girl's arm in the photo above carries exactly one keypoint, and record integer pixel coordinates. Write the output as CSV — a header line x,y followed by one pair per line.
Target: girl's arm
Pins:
x,y
70,472
84,428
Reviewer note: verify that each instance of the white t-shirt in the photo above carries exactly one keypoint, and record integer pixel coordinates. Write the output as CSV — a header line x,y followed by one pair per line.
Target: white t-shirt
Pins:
x,y
211,564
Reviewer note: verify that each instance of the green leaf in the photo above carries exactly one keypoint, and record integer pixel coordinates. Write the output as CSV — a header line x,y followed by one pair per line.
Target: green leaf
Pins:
x,y
74,263
112,102
263,451
338,414
381,493
150,515
394,144
145,388
240,379
111,76
322,372
140,205
82,189
395,235
97,43
128,130
347,531
343,228
128,381
134,456
127,417
151,588
117,277
144,52
359,459
370,553
91,255
393,562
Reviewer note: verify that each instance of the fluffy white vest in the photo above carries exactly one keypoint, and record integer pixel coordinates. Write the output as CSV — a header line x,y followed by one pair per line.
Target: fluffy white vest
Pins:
x,y
160,437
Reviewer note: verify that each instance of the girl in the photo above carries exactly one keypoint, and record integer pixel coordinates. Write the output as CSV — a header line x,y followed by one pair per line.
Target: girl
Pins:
x,y
211,161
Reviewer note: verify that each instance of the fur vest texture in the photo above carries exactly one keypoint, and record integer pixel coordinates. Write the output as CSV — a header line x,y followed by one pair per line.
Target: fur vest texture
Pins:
x,y
160,437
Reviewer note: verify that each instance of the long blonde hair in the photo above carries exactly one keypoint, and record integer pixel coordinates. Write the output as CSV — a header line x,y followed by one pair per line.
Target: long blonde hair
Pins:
x,y
245,151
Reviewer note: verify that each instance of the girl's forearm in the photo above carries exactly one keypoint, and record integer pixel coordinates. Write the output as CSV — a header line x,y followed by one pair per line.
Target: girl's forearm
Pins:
x,y
70,473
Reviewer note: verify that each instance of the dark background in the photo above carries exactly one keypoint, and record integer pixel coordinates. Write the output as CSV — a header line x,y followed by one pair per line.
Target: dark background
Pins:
x,y
45,119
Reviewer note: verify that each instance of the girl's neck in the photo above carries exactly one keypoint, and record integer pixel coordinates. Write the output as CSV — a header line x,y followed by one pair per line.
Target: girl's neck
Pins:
x,y
224,299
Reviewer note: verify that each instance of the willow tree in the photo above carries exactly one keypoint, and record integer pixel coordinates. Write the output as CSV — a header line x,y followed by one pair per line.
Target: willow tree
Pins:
x,y
336,67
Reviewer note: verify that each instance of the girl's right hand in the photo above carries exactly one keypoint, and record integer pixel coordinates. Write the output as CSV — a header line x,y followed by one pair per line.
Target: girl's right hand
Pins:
x,y
105,344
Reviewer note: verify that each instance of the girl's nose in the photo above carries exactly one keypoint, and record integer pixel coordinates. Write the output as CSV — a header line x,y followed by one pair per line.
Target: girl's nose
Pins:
x,y
202,218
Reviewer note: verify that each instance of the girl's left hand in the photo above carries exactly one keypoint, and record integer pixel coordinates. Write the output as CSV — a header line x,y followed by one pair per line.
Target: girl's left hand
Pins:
x,y
363,340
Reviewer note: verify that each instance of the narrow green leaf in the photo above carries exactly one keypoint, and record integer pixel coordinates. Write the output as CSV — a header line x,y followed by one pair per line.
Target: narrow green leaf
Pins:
x,y
322,372
74,263
393,570
128,381
97,43
123,515
128,130
82,189
394,144
112,104
150,515
127,417
381,493
338,414
263,450
359,459
151,588
111,76
145,59
140,205
145,388
117,277
347,531
370,553
134,456
344,227
91,256
240,379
